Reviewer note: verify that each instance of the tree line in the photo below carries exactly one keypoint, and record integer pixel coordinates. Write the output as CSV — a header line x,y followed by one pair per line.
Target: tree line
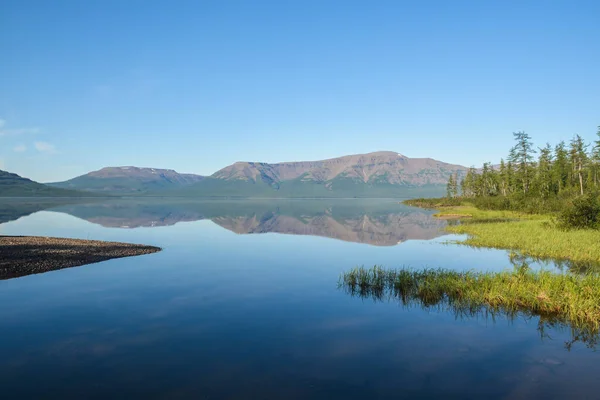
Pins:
x,y
563,171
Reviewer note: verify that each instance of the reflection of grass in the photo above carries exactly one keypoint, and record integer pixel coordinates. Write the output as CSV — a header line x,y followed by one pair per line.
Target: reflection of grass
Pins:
x,y
555,298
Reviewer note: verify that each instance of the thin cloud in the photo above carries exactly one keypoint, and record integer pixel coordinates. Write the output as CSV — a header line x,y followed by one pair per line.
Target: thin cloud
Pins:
x,y
15,131
20,148
44,147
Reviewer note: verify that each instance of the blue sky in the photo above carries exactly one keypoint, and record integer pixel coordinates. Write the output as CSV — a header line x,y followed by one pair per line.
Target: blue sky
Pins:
x,y
197,85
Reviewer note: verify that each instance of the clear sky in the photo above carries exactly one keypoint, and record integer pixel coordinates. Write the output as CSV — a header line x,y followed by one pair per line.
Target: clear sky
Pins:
x,y
197,85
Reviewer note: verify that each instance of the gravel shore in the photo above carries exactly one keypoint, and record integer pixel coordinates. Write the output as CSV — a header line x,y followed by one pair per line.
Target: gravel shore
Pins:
x,y
26,255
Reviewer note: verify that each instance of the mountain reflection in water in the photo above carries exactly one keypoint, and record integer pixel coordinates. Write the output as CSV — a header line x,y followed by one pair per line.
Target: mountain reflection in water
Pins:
x,y
379,223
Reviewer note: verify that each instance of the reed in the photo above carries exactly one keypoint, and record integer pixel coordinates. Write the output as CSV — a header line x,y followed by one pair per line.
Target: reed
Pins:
x,y
556,298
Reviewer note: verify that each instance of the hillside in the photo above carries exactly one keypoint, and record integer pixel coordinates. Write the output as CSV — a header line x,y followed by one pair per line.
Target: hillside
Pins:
x,y
380,174
129,180
372,168
13,185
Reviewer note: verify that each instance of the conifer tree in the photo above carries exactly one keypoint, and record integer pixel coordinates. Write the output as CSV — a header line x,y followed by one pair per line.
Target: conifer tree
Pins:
x,y
503,178
595,159
560,167
450,186
455,185
543,178
521,156
578,160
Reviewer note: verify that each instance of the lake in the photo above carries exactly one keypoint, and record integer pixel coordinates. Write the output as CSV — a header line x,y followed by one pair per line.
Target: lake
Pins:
x,y
243,302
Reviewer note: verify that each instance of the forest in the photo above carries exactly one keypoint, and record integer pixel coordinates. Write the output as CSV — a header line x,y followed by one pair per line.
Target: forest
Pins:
x,y
563,179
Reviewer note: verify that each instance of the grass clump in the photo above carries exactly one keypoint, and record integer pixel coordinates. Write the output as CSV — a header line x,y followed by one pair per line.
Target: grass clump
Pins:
x,y
556,298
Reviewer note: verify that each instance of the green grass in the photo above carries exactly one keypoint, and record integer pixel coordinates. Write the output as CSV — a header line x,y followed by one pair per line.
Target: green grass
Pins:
x,y
535,238
568,299
534,235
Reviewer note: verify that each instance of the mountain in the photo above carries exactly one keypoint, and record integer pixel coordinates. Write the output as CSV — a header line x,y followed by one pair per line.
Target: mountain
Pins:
x,y
13,185
380,174
380,167
129,180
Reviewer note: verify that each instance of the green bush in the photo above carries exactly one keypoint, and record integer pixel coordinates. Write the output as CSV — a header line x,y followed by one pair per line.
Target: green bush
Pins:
x,y
583,213
519,203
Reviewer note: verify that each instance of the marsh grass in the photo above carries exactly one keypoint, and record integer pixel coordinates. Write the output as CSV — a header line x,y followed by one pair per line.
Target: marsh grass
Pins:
x,y
558,299
535,238
539,236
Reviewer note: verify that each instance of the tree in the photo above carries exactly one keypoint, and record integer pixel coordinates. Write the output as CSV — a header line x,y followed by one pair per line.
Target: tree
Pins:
x,y
450,186
595,160
503,178
469,184
560,167
510,177
454,187
578,159
521,155
543,177
488,181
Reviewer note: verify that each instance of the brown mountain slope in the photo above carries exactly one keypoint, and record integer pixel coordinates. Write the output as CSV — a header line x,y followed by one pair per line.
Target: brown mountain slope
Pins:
x,y
129,180
146,174
379,167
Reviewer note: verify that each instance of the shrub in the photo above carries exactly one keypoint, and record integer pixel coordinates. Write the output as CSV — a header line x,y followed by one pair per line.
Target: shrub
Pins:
x,y
583,213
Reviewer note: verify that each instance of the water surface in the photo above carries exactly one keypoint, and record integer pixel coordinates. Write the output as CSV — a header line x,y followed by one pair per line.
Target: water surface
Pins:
x,y
243,303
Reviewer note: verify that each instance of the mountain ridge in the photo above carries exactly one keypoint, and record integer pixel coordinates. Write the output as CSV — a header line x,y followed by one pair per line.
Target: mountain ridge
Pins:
x,y
357,166
128,180
375,174
13,185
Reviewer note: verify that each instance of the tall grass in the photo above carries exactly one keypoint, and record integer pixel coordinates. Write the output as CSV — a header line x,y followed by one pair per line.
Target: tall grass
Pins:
x,y
555,298
535,238
539,236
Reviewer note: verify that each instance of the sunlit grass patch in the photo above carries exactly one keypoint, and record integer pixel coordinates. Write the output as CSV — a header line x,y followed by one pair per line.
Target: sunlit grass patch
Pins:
x,y
535,238
534,235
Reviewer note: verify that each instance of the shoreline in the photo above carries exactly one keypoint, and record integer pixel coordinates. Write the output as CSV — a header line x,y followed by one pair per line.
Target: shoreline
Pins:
x,y
28,255
532,235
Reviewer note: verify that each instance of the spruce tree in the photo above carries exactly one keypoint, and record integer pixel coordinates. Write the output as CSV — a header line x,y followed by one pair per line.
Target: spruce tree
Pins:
x,y
521,156
578,160
450,186
543,177
560,168
455,185
503,178
595,159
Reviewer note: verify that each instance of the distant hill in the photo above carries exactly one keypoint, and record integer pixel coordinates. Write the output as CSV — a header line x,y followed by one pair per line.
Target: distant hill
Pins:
x,y
380,174
13,185
129,181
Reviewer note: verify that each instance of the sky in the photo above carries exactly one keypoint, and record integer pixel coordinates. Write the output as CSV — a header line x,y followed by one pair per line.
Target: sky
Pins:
x,y
197,85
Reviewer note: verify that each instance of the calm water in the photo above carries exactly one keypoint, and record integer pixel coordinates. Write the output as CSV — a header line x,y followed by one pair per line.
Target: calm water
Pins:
x,y
243,303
